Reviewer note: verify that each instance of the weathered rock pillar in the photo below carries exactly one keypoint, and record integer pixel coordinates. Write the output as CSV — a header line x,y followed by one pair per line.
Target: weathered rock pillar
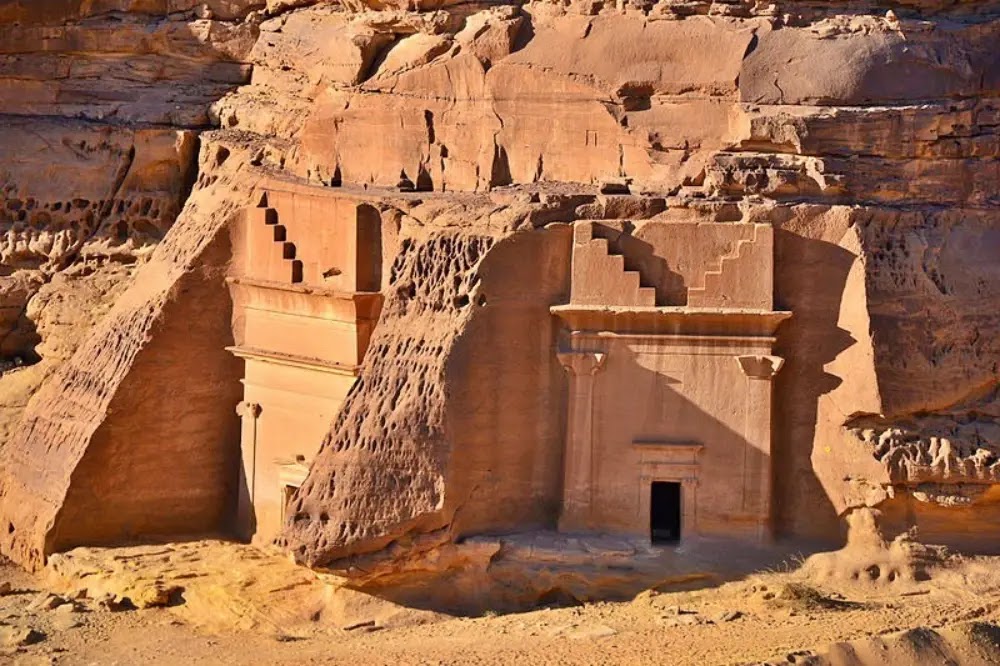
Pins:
x,y
579,452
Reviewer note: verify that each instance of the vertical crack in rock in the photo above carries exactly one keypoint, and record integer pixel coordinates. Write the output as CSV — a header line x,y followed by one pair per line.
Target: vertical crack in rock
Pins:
x,y
106,208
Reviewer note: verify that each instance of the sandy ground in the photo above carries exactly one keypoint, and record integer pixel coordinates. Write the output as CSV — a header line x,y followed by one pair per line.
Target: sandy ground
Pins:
x,y
777,616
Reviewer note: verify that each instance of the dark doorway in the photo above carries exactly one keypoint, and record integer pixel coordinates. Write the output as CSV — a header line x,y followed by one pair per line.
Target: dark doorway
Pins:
x,y
665,512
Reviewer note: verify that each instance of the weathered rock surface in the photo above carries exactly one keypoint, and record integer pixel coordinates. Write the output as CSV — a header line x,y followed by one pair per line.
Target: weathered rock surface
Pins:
x,y
865,134
966,643
122,62
219,586
72,423
97,160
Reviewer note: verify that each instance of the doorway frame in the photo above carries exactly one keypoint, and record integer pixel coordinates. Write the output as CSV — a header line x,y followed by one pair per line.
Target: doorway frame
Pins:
x,y
669,463
679,510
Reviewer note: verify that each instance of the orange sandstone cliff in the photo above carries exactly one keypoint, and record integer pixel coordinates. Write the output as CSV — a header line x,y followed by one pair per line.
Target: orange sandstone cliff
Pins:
x,y
372,280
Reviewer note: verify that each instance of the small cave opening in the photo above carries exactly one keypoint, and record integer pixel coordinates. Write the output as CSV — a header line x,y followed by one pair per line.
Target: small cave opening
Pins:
x,y
19,346
23,360
665,512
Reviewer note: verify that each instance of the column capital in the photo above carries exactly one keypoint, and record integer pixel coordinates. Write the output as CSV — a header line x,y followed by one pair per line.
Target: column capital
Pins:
x,y
246,408
760,366
582,362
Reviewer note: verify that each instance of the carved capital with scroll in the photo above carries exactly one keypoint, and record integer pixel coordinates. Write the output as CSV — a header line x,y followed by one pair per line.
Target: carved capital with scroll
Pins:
x,y
581,363
760,366
251,409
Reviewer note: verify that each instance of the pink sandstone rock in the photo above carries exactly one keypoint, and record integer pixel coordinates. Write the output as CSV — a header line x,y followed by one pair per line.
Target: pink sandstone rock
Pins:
x,y
375,279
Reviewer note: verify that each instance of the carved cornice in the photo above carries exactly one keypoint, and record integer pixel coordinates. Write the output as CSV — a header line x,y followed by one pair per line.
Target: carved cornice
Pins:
x,y
662,321
305,362
283,296
296,288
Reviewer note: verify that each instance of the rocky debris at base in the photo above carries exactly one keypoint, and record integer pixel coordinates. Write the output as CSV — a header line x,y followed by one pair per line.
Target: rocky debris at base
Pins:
x,y
66,622
113,603
708,625
12,636
591,632
365,625
220,586
45,601
684,620
804,597
971,643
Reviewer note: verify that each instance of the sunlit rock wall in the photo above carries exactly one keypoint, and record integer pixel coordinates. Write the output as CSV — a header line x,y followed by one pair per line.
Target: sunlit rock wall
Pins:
x,y
866,133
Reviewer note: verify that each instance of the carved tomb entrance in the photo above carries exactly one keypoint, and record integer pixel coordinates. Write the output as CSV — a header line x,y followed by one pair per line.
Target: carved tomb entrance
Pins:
x,y
306,296
669,411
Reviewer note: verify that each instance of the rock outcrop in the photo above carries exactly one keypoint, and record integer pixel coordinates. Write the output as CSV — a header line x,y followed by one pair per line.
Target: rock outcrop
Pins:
x,y
863,137
99,155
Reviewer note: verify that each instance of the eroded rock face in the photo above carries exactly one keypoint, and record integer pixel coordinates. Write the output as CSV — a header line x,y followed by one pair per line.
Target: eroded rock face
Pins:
x,y
113,371
123,62
97,159
83,205
374,430
449,291
864,135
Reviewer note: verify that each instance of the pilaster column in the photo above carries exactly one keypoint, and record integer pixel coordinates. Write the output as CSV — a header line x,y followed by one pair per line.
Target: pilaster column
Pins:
x,y
249,412
759,370
578,455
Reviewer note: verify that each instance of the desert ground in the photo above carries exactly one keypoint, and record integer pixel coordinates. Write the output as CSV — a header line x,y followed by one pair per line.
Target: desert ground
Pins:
x,y
219,603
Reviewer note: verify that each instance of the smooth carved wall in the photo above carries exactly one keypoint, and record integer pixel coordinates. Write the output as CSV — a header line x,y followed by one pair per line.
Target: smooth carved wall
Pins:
x,y
507,399
675,409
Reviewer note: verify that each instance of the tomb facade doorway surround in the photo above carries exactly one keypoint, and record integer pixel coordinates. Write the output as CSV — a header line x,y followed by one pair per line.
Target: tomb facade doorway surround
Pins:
x,y
670,393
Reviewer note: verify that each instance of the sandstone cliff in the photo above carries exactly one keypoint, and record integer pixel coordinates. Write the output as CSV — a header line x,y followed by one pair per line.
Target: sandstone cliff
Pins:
x,y
100,149
865,133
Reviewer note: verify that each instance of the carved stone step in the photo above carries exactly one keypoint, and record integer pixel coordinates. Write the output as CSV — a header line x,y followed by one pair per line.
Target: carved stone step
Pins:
x,y
631,280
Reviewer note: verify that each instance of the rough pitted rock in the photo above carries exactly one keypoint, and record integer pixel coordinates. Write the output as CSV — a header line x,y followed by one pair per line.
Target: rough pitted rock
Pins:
x,y
395,417
63,433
